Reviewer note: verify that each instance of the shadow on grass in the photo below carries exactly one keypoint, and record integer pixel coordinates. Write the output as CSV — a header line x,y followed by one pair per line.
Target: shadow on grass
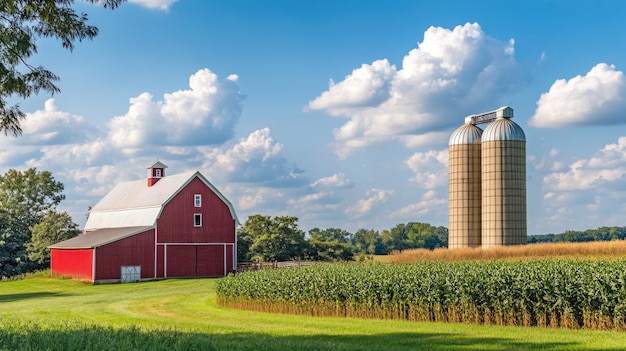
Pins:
x,y
32,295
76,336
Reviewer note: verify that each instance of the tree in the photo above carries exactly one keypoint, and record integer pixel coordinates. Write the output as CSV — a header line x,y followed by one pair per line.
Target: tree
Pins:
x,y
330,244
25,199
273,239
368,241
22,22
53,228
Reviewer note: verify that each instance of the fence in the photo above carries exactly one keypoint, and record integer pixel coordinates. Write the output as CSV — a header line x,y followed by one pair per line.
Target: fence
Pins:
x,y
256,266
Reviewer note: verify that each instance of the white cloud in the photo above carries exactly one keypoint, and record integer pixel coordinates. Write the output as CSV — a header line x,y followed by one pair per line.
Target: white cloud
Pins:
x,y
336,181
50,126
163,5
451,74
598,98
426,206
430,168
606,168
366,86
206,114
366,205
256,159
547,162
590,192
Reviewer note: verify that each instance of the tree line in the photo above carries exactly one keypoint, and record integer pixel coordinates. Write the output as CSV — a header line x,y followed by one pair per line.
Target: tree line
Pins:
x,y
600,234
267,239
30,221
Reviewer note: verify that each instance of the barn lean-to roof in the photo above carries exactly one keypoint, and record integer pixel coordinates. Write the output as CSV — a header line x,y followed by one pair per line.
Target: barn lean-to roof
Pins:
x,y
132,204
98,238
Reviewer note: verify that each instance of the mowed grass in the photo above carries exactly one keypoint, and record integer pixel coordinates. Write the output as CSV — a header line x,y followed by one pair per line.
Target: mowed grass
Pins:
x,y
52,314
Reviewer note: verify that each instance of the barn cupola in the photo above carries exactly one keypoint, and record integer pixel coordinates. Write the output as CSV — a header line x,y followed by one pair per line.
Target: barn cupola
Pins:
x,y
156,171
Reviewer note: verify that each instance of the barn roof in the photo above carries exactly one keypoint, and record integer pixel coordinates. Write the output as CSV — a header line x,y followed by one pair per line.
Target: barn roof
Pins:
x,y
132,204
98,237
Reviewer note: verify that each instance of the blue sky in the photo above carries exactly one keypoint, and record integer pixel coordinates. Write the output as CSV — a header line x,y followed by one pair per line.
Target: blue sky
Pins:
x,y
337,112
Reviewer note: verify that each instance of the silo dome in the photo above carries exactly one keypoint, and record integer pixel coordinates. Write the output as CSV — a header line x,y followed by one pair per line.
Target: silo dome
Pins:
x,y
465,135
502,129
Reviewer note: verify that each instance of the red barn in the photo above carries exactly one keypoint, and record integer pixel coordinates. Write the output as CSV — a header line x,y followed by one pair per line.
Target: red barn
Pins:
x,y
174,226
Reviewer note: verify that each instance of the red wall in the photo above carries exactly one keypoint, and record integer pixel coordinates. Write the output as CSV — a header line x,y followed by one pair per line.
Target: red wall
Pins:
x,y
176,222
181,261
136,250
210,261
72,263
195,261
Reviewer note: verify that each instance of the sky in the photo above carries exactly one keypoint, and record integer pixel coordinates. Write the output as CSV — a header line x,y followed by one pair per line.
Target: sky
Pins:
x,y
336,112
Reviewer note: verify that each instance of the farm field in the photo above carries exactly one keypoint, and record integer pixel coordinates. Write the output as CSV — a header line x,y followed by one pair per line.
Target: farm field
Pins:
x,y
51,314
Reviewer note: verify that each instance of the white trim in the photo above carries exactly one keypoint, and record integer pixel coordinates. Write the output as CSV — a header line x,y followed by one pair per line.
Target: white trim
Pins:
x,y
195,244
197,215
235,250
197,200
155,251
225,259
93,268
165,261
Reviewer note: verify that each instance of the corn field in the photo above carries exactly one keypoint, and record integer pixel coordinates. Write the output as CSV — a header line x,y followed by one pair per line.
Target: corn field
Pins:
x,y
588,294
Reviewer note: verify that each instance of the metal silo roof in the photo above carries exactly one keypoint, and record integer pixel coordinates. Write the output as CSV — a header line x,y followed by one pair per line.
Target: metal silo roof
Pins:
x,y
503,129
466,134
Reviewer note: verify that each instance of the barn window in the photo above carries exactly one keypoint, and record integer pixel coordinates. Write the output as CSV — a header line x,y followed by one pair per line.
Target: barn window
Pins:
x,y
197,220
197,200
157,173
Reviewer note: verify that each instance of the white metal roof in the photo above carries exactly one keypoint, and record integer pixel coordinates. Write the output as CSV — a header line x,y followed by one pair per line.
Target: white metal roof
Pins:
x,y
466,134
134,203
156,164
503,129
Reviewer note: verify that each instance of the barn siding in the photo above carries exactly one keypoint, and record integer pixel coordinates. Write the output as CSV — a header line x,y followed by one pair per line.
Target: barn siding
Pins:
x,y
210,261
181,261
135,250
76,263
176,220
229,258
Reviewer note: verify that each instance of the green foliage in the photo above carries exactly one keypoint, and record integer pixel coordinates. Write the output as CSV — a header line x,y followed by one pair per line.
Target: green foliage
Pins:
x,y
22,22
414,235
274,239
600,234
53,228
368,241
271,239
330,244
558,293
26,197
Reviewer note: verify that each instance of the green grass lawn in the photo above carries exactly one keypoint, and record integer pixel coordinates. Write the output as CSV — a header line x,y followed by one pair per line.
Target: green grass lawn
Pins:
x,y
50,314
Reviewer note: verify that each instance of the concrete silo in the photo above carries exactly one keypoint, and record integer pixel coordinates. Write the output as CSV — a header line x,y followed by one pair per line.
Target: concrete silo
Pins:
x,y
503,154
487,198
464,221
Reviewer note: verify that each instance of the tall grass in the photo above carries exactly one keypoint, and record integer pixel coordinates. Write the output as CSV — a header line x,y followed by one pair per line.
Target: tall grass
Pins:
x,y
77,336
587,294
596,249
